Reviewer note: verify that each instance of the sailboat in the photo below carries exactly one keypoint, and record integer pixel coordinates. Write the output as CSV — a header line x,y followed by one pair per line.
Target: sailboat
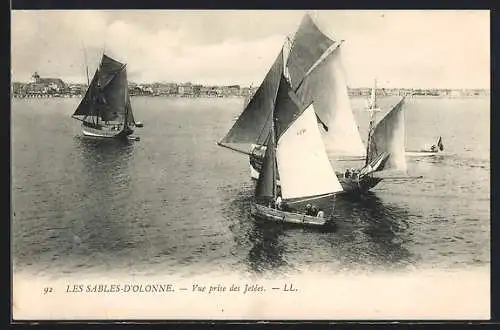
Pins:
x,y
105,111
314,70
296,151
435,149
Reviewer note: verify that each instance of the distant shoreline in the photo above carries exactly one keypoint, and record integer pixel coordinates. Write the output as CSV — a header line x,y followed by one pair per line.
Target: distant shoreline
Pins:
x,y
45,96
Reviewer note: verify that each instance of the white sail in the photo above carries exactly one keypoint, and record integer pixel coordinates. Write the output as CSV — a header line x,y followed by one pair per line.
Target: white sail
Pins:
x,y
303,165
389,136
326,86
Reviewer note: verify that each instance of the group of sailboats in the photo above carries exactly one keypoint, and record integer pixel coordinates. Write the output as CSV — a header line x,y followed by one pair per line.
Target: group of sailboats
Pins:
x,y
297,119
105,111
300,116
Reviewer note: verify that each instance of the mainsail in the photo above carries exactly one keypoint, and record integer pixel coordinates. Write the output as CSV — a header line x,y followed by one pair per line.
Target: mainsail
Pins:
x,y
389,136
301,159
326,86
107,96
317,75
253,125
309,44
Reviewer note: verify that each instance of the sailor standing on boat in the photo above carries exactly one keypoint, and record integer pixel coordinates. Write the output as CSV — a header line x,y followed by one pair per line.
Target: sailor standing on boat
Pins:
x,y
278,203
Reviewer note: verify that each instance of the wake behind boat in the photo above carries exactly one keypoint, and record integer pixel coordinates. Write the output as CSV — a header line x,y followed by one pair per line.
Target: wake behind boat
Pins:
x,y
105,111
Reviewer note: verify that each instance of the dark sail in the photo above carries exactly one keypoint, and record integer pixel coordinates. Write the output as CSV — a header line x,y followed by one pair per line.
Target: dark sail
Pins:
x,y
440,144
107,96
130,114
114,97
108,69
308,45
254,122
389,137
288,107
87,104
266,183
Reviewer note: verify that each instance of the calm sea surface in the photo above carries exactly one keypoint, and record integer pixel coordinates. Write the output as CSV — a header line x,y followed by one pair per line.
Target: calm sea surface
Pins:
x,y
175,202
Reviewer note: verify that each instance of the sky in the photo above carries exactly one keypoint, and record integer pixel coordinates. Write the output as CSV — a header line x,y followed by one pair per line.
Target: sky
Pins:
x,y
401,49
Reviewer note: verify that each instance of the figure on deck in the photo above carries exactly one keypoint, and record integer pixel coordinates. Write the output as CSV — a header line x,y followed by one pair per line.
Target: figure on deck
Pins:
x,y
278,203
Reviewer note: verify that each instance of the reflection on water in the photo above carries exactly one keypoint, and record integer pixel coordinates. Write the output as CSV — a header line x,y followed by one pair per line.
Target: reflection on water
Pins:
x,y
367,232
385,228
175,201
98,222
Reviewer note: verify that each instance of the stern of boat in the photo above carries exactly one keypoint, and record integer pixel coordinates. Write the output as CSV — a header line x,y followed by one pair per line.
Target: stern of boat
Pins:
x,y
355,186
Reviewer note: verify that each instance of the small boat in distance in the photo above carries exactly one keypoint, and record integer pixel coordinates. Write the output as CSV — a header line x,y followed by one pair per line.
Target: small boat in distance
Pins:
x,y
435,149
105,111
296,151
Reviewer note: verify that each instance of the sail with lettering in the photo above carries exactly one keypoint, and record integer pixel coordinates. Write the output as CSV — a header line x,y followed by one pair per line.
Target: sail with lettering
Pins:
x,y
105,110
299,157
303,165
388,136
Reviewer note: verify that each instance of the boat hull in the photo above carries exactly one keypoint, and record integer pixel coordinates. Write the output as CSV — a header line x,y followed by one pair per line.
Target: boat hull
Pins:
x,y
278,216
349,185
423,153
106,133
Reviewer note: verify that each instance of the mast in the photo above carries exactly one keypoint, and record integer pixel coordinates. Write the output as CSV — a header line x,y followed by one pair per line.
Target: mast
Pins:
x,y
372,109
274,145
86,66
126,99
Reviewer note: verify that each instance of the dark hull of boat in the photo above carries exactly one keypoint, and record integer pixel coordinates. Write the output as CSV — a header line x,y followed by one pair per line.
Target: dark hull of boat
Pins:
x,y
278,216
354,186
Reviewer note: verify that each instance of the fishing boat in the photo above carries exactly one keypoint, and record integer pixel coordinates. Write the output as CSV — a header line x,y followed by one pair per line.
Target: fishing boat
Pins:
x,y
105,111
296,151
435,149
313,69
384,148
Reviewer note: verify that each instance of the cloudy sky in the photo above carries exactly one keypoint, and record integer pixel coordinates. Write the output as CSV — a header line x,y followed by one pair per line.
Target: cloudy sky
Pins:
x,y
441,49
